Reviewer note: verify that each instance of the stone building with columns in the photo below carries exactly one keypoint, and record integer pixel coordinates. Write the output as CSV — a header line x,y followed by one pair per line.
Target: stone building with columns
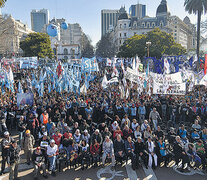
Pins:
x,y
11,33
182,31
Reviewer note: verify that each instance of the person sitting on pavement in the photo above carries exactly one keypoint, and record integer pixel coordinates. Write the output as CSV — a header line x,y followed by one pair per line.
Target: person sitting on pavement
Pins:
x,y
108,151
52,151
130,151
119,149
95,152
39,162
152,159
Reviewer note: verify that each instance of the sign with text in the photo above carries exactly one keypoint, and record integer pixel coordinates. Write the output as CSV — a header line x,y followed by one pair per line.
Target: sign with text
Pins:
x,y
174,89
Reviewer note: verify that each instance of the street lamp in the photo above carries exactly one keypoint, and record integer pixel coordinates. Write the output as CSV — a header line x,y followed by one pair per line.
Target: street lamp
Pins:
x,y
56,47
148,45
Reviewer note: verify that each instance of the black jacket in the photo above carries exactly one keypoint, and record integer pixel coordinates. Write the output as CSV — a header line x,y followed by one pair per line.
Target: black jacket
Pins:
x,y
119,146
140,147
13,155
38,158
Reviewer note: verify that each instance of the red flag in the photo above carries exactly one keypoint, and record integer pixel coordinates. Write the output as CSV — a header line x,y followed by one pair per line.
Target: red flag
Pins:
x,y
205,67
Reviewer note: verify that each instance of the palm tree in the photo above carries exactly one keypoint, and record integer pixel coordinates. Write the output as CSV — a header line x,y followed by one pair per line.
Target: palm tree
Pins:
x,y
2,2
196,7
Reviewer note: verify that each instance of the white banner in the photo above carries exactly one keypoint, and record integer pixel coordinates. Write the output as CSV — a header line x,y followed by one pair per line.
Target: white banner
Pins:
x,y
175,89
28,62
133,76
113,80
203,81
172,79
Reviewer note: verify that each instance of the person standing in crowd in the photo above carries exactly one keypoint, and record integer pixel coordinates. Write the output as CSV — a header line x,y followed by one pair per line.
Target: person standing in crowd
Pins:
x,y
108,151
44,117
13,160
27,145
142,113
52,151
5,144
2,121
154,116
21,128
39,162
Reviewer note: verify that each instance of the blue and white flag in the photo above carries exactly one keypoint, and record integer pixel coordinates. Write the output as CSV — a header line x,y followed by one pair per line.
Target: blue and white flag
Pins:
x,y
20,90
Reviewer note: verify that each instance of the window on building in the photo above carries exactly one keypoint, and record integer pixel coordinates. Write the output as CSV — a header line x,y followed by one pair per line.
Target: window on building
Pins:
x,y
125,26
175,38
124,34
175,34
143,25
120,26
148,25
120,34
120,42
161,24
175,30
175,26
153,25
65,51
135,33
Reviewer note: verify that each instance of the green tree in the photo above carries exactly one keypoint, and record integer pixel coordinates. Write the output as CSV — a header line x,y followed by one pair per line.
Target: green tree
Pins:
x,y
88,51
105,47
37,44
196,7
2,2
161,43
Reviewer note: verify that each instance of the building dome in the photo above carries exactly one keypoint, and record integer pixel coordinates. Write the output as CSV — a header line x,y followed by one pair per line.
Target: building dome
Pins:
x,y
162,8
186,20
123,16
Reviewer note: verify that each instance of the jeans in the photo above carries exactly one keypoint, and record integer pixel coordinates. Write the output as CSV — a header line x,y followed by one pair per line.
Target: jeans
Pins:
x,y
52,161
37,169
106,155
155,124
13,171
21,135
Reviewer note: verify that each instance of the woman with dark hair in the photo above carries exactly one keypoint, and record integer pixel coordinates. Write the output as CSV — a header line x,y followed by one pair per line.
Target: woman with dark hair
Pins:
x,y
95,151
84,154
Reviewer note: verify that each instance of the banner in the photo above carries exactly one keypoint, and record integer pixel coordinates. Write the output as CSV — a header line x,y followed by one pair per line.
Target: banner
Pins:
x,y
25,98
133,76
175,89
28,62
175,78
113,80
203,81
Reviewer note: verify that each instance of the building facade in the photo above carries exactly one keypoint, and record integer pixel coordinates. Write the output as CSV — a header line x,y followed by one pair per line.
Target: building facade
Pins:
x,y
11,33
69,40
137,11
183,32
108,20
39,19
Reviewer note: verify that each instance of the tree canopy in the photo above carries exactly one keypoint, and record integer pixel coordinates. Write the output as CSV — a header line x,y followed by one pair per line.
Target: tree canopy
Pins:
x,y
105,47
37,44
161,43
196,7
2,2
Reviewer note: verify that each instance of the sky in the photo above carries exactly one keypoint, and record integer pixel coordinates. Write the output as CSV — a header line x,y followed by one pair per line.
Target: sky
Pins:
x,y
87,12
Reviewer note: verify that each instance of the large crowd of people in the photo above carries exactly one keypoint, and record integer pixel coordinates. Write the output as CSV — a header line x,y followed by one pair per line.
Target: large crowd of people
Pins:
x,y
70,130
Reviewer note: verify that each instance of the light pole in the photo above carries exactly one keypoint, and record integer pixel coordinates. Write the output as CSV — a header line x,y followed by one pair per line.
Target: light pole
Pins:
x,y
56,47
148,45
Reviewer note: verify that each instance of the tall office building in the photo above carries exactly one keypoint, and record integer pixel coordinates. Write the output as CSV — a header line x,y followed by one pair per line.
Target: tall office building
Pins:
x,y
137,11
39,19
108,20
